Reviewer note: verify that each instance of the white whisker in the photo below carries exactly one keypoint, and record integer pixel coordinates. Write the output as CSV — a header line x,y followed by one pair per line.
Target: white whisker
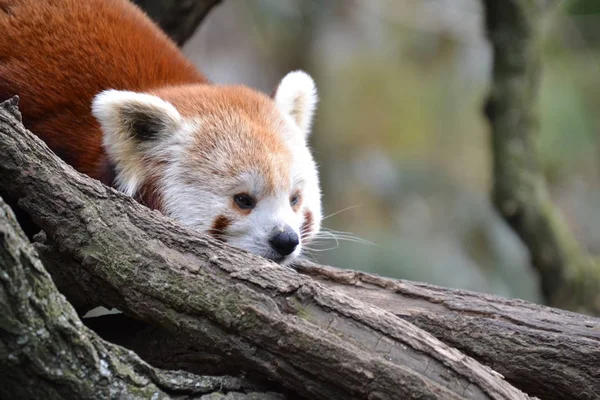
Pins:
x,y
338,237
319,250
340,211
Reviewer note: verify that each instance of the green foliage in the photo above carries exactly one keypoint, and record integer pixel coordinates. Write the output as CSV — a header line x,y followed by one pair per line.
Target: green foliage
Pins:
x,y
567,139
582,7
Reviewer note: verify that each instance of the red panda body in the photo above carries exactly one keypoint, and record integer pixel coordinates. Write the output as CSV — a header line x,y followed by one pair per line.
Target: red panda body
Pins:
x,y
58,54
113,96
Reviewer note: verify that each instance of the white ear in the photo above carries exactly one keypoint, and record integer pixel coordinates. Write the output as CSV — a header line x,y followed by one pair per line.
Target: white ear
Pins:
x,y
296,96
135,126
131,115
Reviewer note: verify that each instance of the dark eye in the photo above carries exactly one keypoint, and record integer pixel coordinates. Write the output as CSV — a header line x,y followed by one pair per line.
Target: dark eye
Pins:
x,y
294,200
244,201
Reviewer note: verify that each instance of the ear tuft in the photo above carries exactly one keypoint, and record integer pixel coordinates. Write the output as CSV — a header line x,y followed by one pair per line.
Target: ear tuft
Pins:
x,y
133,115
296,96
135,126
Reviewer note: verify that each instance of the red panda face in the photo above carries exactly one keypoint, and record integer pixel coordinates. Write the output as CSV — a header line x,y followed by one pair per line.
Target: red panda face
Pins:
x,y
227,161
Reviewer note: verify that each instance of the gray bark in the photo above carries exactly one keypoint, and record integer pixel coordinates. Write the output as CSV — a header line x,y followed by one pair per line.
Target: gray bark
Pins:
x,y
545,352
47,353
313,340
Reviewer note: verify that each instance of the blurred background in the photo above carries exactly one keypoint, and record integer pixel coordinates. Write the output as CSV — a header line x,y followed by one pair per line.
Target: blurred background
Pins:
x,y
399,135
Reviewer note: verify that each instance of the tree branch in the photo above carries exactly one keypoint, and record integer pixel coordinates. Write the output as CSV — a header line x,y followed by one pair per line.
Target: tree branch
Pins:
x,y
178,18
46,353
543,351
154,344
286,327
570,277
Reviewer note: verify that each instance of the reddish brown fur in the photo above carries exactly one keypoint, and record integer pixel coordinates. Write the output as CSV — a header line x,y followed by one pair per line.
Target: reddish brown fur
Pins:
x,y
149,194
307,226
58,54
219,226
249,119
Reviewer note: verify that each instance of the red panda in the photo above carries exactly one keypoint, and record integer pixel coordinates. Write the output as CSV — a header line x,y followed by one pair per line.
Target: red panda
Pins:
x,y
114,97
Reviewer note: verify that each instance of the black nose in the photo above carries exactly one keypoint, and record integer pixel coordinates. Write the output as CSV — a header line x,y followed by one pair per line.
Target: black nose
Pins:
x,y
284,242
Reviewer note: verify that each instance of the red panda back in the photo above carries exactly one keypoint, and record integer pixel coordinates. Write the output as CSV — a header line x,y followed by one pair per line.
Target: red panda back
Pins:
x,y
58,54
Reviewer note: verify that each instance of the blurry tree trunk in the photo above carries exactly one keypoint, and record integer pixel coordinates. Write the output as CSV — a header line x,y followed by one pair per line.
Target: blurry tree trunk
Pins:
x,y
342,335
178,18
570,278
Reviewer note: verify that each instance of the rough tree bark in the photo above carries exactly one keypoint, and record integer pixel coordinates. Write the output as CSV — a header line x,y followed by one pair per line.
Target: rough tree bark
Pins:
x,y
47,353
545,352
570,278
178,18
264,318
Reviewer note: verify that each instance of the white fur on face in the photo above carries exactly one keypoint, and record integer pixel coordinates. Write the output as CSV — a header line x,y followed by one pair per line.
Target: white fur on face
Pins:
x,y
122,116
194,177
200,202
274,211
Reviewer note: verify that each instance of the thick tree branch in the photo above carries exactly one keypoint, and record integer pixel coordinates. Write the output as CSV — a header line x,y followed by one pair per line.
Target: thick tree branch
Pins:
x,y
156,345
543,351
312,340
178,18
570,277
46,352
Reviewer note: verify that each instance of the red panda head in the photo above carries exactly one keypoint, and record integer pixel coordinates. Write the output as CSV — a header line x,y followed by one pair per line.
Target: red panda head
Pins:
x,y
225,160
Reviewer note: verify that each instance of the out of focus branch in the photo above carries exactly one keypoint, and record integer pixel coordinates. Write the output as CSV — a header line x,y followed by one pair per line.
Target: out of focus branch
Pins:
x,y
570,277
178,18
